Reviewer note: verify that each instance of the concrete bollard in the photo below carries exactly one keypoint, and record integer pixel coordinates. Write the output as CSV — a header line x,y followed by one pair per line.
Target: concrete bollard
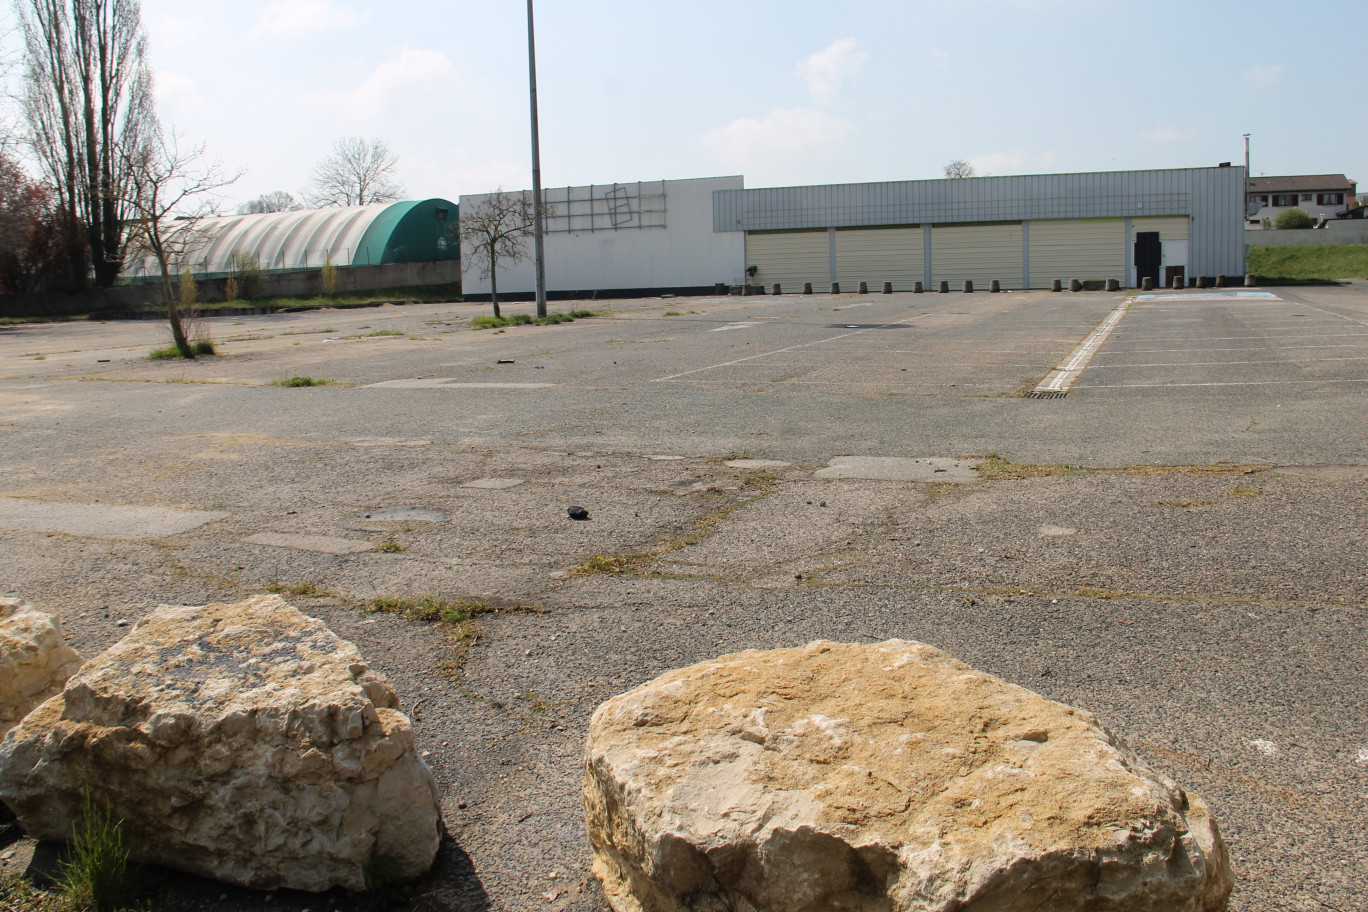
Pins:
x,y
968,286
918,288
944,286
1113,285
807,288
835,287
1146,284
1177,282
888,288
995,286
1221,281
1250,281
777,289
1056,285
864,288
1204,281
1075,285
747,290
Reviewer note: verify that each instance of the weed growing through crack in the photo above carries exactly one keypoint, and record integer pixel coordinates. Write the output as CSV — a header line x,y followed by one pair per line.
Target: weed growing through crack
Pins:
x,y
611,564
456,616
389,546
300,381
529,320
306,589
197,348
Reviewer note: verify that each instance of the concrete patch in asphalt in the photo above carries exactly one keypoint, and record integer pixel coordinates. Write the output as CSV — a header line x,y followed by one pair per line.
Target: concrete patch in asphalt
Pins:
x,y
493,484
898,468
451,383
100,520
757,464
384,520
323,544
1057,531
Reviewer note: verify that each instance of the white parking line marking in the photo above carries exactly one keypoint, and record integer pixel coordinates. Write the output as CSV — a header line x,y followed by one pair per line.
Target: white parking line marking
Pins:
x,y
733,326
1063,377
699,370
1223,383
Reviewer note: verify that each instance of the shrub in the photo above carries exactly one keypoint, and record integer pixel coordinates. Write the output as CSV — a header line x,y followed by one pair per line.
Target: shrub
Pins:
x,y
245,275
1293,219
328,274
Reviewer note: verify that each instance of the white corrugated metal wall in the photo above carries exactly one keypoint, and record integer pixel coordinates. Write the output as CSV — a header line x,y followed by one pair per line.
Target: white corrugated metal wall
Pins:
x,y
1067,249
790,258
878,255
980,253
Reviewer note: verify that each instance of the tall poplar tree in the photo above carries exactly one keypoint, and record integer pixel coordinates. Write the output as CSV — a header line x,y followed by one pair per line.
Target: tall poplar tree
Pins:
x,y
88,104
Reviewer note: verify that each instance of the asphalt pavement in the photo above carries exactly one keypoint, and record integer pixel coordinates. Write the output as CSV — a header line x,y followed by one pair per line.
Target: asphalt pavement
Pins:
x,y
1178,544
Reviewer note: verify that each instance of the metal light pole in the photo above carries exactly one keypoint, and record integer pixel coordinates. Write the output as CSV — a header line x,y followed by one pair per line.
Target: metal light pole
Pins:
x,y
536,168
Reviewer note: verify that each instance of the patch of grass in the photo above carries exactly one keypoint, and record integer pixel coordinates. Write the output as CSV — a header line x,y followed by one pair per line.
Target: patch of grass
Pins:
x,y
1245,492
198,348
95,873
1318,263
551,319
389,546
306,589
383,332
673,313
14,321
995,468
611,564
300,381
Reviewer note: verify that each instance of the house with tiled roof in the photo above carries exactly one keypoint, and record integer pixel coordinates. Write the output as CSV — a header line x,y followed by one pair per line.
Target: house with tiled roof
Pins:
x,y
1318,195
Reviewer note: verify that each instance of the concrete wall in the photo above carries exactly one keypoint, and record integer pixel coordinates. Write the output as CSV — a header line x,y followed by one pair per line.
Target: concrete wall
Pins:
x,y
284,284
684,254
1345,231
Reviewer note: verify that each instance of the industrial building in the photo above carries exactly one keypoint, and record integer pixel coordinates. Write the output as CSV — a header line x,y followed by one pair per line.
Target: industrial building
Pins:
x,y
1022,231
411,231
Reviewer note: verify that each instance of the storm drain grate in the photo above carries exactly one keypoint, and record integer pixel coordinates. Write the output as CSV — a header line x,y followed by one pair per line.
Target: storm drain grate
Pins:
x,y
1040,394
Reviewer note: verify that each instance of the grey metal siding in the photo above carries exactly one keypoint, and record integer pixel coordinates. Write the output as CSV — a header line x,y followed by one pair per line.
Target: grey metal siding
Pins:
x,y
1213,197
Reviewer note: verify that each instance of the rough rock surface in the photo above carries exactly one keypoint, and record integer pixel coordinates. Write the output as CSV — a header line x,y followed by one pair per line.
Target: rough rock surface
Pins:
x,y
871,778
244,742
34,660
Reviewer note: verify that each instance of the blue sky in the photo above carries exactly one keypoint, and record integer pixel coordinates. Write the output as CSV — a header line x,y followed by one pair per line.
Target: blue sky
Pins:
x,y
781,92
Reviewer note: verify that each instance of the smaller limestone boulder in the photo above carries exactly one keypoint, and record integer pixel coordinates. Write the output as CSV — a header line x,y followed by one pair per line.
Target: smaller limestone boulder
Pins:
x,y
242,742
34,660
880,778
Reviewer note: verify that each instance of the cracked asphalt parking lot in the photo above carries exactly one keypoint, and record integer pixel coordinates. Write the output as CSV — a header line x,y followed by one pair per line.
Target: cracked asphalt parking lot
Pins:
x,y
1178,545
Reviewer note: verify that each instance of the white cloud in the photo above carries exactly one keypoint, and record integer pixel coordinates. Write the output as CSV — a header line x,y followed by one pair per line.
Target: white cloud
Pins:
x,y
1013,162
781,144
403,79
827,69
177,96
293,18
1168,133
1264,75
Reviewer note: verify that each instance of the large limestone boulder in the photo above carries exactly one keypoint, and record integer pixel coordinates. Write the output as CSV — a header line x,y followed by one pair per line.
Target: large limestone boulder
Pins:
x,y
872,778
34,660
244,742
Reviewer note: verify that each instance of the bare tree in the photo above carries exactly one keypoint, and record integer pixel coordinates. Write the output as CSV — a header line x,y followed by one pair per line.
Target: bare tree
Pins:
x,y
275,201
173,191
498,229
959,168
87,95
357,173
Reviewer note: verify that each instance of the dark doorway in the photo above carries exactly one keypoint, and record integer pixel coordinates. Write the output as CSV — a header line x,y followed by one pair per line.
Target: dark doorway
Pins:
x,y
1148,254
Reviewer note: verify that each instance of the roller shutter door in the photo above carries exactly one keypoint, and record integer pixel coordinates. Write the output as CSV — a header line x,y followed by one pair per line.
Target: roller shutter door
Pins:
x,y
878,255
1067,249
1170,227
977,252
790,258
